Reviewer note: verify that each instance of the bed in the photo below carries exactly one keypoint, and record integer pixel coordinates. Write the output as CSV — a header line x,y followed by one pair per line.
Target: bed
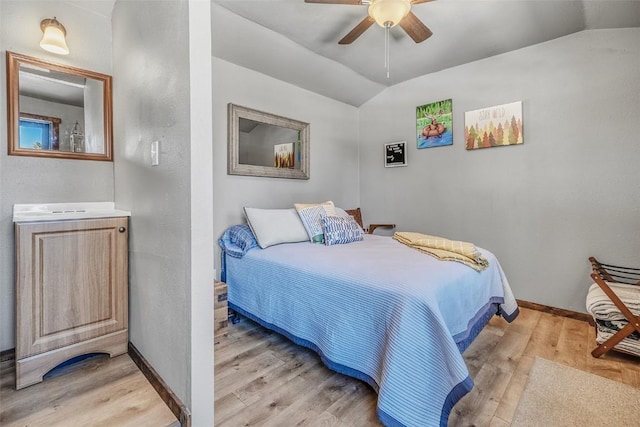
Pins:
x,y
376,310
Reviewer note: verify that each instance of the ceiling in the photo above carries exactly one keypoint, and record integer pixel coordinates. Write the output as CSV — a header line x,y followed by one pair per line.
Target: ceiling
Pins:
x,y
100,7
298,42
50,85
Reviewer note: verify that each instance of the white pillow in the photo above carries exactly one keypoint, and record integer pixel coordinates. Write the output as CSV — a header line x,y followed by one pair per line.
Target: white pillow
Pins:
x,y
341,213
275,226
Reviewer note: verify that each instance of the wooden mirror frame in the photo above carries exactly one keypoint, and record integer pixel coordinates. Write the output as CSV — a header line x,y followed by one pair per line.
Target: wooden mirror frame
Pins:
x,y
234,167
14,60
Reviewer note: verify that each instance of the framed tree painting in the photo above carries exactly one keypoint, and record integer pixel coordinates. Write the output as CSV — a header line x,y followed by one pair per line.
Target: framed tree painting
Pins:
x,y
493,126
283,155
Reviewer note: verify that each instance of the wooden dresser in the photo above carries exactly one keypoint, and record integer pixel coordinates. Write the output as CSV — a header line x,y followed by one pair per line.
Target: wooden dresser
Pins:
x,y
221,309
71,292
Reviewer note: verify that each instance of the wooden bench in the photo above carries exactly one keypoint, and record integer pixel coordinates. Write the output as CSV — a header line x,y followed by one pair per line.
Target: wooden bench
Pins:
x,y
622,286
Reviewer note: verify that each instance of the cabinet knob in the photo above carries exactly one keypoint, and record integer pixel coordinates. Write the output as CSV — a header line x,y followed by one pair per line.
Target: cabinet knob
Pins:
x,y
122,229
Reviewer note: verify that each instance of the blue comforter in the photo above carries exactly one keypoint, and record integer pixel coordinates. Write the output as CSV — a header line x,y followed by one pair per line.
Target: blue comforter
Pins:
x,y
379,311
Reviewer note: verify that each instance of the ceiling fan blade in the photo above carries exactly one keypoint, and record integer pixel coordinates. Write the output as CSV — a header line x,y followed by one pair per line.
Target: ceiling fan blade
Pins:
x,y
358,30
336,1
415,28
420,1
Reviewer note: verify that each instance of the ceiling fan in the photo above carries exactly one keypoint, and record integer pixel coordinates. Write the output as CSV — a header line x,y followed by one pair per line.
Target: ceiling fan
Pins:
x,y
387,14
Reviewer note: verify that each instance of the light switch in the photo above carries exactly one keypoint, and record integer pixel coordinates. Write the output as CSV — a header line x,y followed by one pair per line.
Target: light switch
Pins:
x,y
155,153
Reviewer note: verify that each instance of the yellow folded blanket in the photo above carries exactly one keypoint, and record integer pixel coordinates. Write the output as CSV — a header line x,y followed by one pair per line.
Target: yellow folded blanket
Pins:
x,y
444,249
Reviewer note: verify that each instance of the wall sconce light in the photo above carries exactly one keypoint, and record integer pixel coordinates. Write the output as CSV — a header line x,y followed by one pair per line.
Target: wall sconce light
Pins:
x,y
53,39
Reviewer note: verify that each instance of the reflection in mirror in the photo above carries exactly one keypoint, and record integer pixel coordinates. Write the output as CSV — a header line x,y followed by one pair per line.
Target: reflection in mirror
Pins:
x,y
57,110
263,144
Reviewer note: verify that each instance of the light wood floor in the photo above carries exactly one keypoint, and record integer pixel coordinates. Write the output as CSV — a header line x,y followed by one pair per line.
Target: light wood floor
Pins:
x,y
263,379
94,392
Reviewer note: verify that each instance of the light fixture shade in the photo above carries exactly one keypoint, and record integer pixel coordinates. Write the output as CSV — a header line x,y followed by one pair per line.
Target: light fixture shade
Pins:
x,y
389,12
53,39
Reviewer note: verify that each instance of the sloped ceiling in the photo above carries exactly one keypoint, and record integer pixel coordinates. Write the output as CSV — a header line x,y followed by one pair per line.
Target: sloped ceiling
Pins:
x,y
100,7
297,42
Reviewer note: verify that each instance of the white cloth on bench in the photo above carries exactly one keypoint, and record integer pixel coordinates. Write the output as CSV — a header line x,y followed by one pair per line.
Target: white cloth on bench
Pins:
x,y
601,307
608,317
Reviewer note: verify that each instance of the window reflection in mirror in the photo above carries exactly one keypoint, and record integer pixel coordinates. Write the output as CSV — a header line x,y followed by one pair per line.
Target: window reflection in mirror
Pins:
x,y
57,110
264,144
39,132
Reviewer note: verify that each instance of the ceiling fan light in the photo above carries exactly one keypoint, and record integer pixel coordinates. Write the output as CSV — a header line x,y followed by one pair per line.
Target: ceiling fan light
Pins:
x,y
389,12
53,39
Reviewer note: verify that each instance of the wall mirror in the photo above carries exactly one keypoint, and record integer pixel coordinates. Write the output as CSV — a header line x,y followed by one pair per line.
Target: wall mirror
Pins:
x,y
57,110
263,144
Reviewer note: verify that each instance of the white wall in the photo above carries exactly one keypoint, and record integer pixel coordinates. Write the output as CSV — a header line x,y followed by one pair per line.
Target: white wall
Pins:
x,y
334,149
570,191
42,180
151,102
94,124
201,354
171,233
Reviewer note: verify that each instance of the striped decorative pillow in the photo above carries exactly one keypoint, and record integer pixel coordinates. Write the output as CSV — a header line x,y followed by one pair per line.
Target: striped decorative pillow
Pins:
x,y
311,215
338,230
312,220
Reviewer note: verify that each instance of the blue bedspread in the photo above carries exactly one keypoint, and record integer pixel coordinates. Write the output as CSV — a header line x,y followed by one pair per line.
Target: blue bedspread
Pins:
x,y
379,311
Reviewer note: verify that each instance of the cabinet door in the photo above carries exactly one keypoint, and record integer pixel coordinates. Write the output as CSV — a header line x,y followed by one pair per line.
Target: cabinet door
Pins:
x,y
71,284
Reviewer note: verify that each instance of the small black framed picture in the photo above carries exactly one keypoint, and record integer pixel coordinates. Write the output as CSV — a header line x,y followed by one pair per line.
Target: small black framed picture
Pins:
x,y
395,154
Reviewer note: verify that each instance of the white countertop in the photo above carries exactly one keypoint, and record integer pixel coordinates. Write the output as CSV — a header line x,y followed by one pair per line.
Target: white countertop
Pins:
x,y
64,211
